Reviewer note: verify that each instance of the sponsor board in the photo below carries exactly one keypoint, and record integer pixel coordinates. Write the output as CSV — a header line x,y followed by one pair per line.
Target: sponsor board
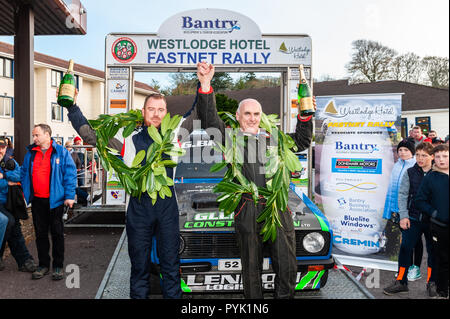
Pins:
x,y
354,157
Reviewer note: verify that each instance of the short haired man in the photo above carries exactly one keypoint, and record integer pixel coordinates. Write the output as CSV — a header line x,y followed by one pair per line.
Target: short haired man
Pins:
x,y
416,136
10,176
49,179
413,222
143,219
432,198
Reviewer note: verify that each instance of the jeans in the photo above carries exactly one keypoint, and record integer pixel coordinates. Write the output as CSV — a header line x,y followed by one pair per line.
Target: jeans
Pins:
x,y
14,237
44,220
3,224
410,237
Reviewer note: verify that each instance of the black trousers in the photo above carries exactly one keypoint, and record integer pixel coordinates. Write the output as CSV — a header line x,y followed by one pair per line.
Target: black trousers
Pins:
x,y
282,253
14,238
410,238
440,242
45,220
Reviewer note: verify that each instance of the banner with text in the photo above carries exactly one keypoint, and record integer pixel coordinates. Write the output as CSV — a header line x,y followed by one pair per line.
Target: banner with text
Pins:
x,y
216,36
354,155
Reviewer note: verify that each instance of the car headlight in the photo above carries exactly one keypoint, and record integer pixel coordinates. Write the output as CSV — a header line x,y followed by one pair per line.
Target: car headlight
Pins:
x,y
182,245
313,242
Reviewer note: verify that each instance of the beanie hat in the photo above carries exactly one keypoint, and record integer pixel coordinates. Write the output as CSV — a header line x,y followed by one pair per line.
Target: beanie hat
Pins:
x,y
409,145
76,139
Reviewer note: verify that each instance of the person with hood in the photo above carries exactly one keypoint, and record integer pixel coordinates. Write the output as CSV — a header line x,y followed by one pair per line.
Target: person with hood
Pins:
x,y
49,179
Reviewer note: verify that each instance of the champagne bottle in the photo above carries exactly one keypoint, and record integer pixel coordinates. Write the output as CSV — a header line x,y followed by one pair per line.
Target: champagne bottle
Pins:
x,y
305,102
66,91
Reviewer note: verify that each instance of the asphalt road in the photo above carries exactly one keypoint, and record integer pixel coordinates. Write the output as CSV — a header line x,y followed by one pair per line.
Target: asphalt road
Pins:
x,y
88,251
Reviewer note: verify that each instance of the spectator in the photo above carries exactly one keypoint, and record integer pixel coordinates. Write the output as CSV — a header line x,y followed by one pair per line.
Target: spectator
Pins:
x,y
432,134
446,139
48,178
433,199
405,151
80,152
416,136
413,224
82,196
10,175
9,150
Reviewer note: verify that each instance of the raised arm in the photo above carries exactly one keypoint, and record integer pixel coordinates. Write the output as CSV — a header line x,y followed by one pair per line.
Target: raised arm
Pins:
x,y
303,133
84,129
206,104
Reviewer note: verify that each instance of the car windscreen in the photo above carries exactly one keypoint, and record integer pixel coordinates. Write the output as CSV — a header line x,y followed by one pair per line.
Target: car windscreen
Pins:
x,y
199,158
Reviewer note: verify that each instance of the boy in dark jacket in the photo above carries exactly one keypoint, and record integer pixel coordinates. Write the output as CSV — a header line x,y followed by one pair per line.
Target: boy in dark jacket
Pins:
x,y
432,199
413,222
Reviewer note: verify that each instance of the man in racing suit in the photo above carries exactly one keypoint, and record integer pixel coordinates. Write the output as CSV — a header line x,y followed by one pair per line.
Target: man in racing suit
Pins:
x,y
143,219
250,241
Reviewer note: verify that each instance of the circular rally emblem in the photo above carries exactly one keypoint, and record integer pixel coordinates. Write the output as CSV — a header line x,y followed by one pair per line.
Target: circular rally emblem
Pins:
x,y
124,50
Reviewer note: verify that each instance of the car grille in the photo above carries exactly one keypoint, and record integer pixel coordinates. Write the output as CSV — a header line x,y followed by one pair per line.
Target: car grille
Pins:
x,y
224,245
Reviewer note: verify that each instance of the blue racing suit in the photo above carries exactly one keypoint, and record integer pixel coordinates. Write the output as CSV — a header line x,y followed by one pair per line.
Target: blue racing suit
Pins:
x,y
145,220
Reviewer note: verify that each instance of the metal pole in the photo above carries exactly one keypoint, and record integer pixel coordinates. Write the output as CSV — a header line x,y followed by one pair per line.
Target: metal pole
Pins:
x,y
23,78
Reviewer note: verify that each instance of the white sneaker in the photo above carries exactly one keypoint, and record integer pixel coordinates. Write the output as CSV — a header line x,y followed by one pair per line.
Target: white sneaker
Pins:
x,y
414,273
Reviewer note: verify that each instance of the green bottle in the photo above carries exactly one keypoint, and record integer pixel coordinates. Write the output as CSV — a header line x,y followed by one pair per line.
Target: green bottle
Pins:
x,y
305,102
67,87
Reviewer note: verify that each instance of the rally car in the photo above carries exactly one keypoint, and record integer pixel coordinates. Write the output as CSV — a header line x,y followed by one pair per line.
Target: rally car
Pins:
x,y
209,253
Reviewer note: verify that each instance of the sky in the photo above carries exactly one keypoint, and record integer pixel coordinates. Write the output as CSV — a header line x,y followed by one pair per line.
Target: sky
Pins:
x,y
417,26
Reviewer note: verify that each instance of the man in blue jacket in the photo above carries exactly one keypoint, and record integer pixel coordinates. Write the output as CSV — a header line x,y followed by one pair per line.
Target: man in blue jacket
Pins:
x,y
49,179
9,176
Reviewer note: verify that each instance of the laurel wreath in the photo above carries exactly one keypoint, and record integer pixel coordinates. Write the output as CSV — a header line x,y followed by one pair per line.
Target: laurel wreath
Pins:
x,y
281,162
151,176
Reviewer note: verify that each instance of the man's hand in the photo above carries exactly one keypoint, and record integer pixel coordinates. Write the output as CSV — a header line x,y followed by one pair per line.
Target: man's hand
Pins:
x,y
205,73
405,223
315,108
12,183
1,175
69,202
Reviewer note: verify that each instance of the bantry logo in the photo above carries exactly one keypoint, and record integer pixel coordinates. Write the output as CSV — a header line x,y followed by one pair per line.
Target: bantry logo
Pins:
x,y
209,26
124,50
342,147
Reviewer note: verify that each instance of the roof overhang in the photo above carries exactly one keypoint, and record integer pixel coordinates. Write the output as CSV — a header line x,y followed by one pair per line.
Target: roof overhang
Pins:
x,y
51,17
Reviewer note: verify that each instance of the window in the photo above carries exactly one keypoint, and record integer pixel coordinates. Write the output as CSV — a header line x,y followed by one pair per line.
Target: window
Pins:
x,y
6,106
57,112
6,67
76,81
405,131
424,123
58,139
56,78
